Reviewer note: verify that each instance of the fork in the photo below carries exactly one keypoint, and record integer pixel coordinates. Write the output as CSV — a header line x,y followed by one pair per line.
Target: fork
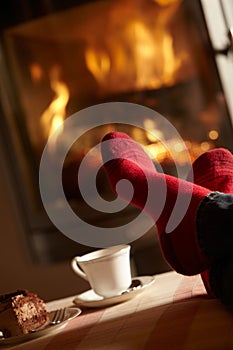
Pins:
x,y
58,317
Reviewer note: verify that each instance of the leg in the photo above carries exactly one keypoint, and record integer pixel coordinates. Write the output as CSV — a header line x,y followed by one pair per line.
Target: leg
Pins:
x,y
214,170
221,281
129,161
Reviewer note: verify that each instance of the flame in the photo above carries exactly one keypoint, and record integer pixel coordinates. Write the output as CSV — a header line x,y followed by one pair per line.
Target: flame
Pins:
x,y
98,63
53,117
171,62
143,54
155,61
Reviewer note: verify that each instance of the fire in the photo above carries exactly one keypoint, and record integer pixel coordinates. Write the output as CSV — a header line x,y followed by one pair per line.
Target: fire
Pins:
x,y
171,63
158,149
155,61
98,64
53,117
160,152
143,54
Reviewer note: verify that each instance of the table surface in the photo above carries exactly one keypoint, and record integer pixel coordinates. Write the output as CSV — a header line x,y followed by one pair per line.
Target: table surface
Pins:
x,y
173,313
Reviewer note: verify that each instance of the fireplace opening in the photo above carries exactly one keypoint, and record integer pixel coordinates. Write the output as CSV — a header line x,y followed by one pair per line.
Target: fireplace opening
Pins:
x,y
154,53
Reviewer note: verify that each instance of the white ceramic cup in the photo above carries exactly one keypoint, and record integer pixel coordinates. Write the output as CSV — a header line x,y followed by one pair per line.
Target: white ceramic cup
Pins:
x,y
107,270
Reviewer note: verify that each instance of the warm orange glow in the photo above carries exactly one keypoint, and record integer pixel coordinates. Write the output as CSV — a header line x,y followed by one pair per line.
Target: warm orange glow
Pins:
x,y
154,134
213,134
98,63
171,63
36,72
142,54
205,146
166,2
53,117
159,151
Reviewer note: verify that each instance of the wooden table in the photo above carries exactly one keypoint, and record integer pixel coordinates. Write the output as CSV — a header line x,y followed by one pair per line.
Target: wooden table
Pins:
x,y
173,313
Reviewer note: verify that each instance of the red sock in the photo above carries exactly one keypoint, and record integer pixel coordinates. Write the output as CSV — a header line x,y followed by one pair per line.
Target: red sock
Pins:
x,y
214,170
129,161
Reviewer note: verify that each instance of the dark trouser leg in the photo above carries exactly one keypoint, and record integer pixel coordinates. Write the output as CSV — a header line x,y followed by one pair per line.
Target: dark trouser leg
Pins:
x,y
215,235
215,226
221,281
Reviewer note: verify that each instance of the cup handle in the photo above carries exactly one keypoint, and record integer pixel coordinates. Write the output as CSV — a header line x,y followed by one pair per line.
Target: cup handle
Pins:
x,y
76,268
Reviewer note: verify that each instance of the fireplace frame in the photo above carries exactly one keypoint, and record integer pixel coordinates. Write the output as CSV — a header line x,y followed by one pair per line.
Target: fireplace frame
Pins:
x,y
49,251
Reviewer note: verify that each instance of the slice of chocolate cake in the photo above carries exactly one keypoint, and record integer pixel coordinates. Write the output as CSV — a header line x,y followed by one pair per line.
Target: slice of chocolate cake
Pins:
x,y
21,312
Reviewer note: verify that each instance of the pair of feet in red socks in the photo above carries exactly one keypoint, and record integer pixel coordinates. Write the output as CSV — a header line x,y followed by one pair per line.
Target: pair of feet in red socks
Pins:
x,y
213,171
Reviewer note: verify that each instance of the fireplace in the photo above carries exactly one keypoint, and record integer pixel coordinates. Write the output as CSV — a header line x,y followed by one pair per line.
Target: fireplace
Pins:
x,y
58,59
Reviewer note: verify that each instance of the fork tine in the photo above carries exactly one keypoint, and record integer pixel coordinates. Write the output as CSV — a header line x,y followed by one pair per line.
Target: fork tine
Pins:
x,y
62,316
58,316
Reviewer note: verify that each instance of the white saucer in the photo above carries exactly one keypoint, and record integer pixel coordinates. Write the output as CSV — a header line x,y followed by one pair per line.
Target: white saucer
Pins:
x,y
71,312
91,299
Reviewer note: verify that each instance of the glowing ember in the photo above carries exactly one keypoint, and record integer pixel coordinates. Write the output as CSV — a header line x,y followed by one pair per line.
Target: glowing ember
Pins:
x,y
166,2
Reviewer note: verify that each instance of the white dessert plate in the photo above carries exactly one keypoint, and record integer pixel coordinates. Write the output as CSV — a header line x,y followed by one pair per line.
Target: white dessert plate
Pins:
x,y
71,313
91,299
